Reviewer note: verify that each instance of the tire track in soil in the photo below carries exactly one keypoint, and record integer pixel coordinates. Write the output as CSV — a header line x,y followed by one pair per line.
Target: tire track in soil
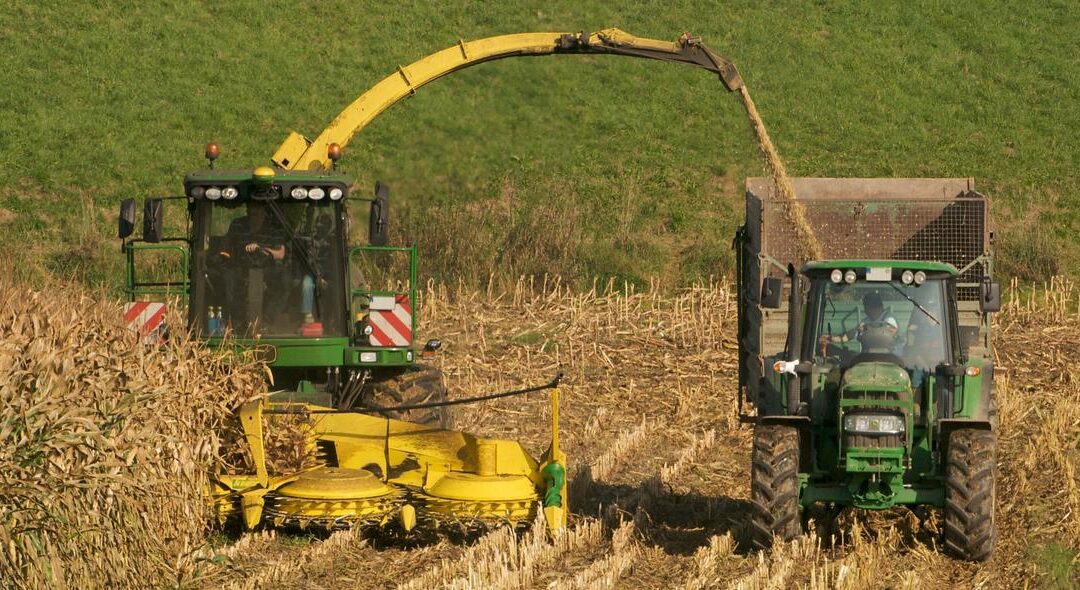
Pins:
x,y
645,562
689,517
694,497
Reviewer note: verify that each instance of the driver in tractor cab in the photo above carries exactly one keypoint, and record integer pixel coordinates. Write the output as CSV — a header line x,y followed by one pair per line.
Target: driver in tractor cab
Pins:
x,y
878,329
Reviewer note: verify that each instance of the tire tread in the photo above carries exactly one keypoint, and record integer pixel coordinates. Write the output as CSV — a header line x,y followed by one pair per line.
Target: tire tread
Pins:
x,y
970,530
774,485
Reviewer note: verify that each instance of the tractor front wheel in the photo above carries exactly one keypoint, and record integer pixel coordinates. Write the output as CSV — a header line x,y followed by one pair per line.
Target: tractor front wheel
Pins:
x,y
969,494
774,485
418,384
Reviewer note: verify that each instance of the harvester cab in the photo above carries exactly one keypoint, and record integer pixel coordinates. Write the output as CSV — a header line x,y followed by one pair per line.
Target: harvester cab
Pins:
x,y
872,379
268,256
265,258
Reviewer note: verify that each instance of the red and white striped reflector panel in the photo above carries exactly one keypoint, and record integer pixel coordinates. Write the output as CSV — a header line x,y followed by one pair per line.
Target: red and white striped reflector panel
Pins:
x,y
145,318
392,327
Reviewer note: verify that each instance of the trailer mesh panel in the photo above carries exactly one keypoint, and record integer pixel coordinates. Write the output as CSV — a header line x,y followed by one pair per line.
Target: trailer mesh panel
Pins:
x,y
946,230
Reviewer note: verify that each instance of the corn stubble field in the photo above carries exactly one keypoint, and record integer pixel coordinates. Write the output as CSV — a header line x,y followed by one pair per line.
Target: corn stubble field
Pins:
x,y
104,443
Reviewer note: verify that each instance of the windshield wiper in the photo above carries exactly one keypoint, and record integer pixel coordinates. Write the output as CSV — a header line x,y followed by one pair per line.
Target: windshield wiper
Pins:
x,y
915,303
300,249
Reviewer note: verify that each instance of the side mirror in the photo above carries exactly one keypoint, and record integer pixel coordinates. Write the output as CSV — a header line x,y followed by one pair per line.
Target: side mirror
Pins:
x,y
989,297
379,220
772,291
127,218
153,229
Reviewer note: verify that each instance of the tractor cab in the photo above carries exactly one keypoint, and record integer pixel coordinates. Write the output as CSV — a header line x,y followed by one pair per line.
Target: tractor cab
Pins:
x,y
262,262
885,314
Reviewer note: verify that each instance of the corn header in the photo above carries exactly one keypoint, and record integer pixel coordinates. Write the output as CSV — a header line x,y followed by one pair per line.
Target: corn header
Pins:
x,y
380,472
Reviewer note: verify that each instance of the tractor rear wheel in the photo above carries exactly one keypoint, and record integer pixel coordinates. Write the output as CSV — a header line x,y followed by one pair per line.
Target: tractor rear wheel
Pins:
x,y
418,384
774,485
969,495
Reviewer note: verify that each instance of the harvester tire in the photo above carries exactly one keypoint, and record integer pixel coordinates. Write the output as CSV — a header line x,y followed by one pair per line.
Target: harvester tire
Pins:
x,y
774,485
969,494
418,384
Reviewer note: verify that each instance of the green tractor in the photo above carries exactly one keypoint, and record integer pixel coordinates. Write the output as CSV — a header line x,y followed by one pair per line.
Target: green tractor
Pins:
x,y
265,264
871,370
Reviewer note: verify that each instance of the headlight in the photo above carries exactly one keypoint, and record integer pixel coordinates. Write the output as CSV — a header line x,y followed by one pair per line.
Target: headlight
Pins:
x,y
316,194
907,277
369,357
335,194
874,423
849,277
213,193
198,192
298,193
367,330
920,277
837,276
230,192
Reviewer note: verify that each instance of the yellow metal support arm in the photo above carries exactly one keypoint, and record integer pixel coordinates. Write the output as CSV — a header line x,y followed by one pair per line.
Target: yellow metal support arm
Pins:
x,y
299,153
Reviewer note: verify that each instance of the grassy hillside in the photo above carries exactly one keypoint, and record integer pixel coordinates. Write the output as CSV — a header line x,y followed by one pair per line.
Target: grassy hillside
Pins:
x,y
579,166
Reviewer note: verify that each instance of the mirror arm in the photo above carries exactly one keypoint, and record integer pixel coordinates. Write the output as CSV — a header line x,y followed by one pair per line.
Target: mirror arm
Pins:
x,y
952,370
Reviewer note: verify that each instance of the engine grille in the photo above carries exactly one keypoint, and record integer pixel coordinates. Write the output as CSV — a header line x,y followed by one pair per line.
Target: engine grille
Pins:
x,y
872,441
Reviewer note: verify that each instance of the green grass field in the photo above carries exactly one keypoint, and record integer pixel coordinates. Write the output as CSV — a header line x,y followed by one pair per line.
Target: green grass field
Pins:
x,y
570,165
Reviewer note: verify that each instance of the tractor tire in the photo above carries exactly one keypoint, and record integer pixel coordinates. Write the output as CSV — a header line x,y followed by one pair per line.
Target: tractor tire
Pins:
x,y
970,469
418,384
774,485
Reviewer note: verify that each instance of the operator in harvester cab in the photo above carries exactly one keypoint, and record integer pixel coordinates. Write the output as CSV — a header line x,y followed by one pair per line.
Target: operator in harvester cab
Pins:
x,y
254,245
252,234
877,330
